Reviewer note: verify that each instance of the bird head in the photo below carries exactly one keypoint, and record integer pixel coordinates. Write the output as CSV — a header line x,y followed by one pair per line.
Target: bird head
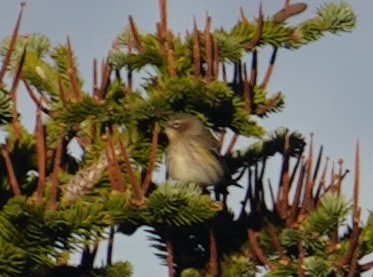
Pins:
x,y
182,125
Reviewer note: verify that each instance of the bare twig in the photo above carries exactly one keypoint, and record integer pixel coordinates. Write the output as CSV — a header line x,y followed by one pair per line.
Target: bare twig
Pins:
x,y
269,71
231,145
135,35
56,169
113,167
356,183
208,49
152,160
131,175
257,251
12,43
196,52
38,101
11,175
41,154
170,259
214,261
72,71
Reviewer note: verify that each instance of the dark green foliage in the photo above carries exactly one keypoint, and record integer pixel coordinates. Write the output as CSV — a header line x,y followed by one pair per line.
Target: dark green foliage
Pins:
x,y
179,205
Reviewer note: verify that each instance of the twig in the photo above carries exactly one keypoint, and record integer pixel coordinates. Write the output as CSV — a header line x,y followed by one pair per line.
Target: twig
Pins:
x,y
288,11
269,71
62,93
247,88
105,79
300,259
171,63
95,88
41,152
12,43
283,192
196,52
56,169
170,259
214,262
109,256
152,160
72,71
9,167
113,167
131,175
257,251
307,195
231,145
163,14
208,49
13,95
353,242
36,100
356,182
135,35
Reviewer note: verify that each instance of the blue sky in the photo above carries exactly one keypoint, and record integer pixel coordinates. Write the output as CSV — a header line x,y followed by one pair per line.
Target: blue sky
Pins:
x,y
327,85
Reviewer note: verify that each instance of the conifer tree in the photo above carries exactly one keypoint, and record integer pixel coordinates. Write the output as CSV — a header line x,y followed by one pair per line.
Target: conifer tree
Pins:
x,y
52,204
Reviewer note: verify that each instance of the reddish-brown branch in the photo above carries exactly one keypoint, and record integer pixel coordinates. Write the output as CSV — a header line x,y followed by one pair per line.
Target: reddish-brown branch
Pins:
x,y
254,70
95,88
56,170
283,192
321,188
247,87
131,175
105,79
152,160
129,70
214,261
222,138
243,16
72,71
215,65
269,71
11,175
353,242
171,63
300,259
353,265
196,52
170,259
257,251
62,93
163,14
13,95
288,11
36,100
307,195
258,32
356,183
366,266
114,169
208,49
12,43
41,154
231,145
297,196
135,35
275,240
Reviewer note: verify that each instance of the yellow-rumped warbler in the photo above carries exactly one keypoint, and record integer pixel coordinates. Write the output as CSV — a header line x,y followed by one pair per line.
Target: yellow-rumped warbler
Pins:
x,y
192,154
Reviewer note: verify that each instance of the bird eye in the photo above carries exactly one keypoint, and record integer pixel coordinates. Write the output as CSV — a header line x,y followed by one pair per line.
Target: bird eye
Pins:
x,y
175,124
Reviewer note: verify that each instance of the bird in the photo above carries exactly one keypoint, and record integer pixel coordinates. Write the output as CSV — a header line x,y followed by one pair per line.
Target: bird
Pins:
x,y
192,154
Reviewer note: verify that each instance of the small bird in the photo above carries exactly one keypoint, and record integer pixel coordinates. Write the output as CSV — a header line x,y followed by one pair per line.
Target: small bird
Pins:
x,y
192,154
